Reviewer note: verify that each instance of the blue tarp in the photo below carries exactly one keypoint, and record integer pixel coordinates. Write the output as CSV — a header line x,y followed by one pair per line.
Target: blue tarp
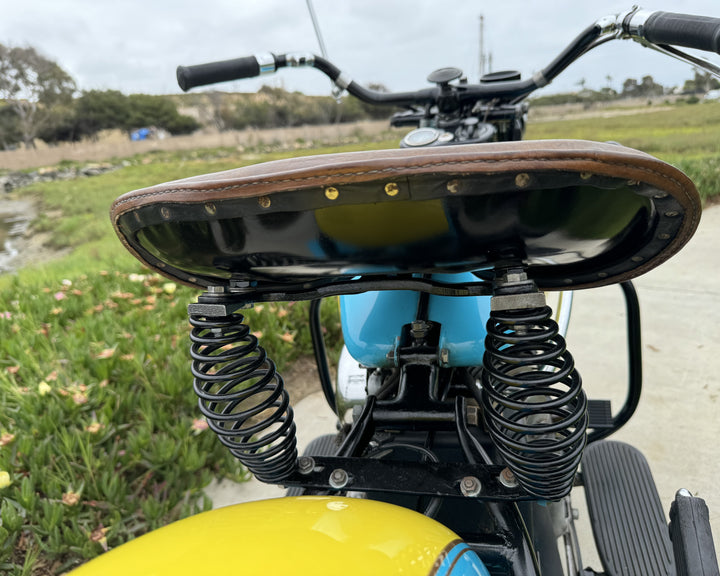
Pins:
x,y
140,134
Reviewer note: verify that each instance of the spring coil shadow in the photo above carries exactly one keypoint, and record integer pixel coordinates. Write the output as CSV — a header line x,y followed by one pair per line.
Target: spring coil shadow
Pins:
x,y
242,396
534,405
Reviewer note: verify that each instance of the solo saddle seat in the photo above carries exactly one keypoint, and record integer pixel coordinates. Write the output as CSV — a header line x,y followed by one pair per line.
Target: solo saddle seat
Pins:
x,y
576,214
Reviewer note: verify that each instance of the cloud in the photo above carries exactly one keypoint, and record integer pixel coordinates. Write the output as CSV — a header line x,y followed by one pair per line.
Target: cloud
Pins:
x,y
134,46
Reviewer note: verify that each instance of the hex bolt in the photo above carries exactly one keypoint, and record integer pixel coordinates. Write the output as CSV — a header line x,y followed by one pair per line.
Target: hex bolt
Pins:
x,y
470,486
305,464
507,478
339,479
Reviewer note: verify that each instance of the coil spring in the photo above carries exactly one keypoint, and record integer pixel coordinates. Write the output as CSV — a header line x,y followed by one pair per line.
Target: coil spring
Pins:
x,y
242,396
535,408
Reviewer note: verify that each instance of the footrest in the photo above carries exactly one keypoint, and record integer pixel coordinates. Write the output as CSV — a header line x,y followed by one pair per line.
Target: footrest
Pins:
x,y
626,514
599,414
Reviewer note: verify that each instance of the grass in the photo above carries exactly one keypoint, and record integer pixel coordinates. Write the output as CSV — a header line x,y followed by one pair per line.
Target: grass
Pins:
x,y
687,136
100,436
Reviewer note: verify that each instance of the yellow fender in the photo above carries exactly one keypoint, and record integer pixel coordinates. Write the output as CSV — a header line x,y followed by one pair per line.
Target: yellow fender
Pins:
x,y
304,535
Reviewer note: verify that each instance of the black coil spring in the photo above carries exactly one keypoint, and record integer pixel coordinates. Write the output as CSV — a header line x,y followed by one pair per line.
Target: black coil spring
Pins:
x,y
534,405
242,396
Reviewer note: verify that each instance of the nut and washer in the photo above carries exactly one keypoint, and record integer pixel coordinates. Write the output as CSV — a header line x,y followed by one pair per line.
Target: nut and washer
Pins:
x,y
507,478
305,464
470,486
339,479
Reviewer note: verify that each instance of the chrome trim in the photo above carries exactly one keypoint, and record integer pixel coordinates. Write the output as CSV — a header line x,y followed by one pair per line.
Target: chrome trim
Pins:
x,y
266,62
673,52
296,59
540,80
343,81
636,23
563,310
609,24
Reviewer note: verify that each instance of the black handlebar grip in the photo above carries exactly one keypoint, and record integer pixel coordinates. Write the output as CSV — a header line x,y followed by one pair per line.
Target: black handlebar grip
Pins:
x,y
214,72
699,32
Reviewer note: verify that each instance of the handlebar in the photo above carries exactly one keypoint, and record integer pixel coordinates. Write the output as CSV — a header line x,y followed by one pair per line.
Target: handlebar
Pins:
x,y
656,29
699,32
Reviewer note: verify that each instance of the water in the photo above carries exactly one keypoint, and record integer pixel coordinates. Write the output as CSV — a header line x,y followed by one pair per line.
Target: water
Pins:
x,y
15,218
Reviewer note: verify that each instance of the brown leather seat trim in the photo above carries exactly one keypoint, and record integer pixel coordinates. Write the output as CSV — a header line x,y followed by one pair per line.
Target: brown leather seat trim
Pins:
x,y
337,169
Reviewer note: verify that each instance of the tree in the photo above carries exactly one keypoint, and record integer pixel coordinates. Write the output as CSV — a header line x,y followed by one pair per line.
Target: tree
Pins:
x,y
648,87
9,128
98,110
158,111
630,88
31,85
702,83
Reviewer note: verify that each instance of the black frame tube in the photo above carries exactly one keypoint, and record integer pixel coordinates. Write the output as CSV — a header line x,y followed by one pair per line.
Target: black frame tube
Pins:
x,y
319,349
634,345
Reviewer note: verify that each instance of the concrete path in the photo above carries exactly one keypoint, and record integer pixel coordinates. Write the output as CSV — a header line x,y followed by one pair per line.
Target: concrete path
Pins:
x,y
677,425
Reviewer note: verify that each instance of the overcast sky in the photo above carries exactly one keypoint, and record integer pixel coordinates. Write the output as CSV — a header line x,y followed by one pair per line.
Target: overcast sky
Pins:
x,y
135,45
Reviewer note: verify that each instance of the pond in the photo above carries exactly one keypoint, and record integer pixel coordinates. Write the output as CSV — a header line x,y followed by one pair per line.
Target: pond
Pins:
x,y
15,218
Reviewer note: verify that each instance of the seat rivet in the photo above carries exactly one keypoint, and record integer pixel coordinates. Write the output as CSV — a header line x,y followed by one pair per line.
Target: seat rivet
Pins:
x,y
264,201
522,180
331,193
392,189
453,186
210,208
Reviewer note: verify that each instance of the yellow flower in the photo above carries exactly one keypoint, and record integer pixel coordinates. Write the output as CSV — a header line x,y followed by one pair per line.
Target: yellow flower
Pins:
x,y
98,535
94,428
4,479
169,287
70,498
6,438
44,388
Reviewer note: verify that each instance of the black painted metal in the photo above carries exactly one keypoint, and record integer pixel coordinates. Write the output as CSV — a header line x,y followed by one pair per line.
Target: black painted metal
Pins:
x,y
403,477
534,405
320,353
242,396
634,345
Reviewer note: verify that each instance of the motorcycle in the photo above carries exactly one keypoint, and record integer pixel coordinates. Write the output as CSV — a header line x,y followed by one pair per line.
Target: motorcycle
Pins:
x,y
463,424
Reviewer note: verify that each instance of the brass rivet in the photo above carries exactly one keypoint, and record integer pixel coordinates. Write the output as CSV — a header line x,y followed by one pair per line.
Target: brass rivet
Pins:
x,y
392,189
210,208
331,193
633,182
660,195
453,186
137,217
664,236
585,175
637,258
264,201
165,213
602,274
672,214
161,264
522,180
